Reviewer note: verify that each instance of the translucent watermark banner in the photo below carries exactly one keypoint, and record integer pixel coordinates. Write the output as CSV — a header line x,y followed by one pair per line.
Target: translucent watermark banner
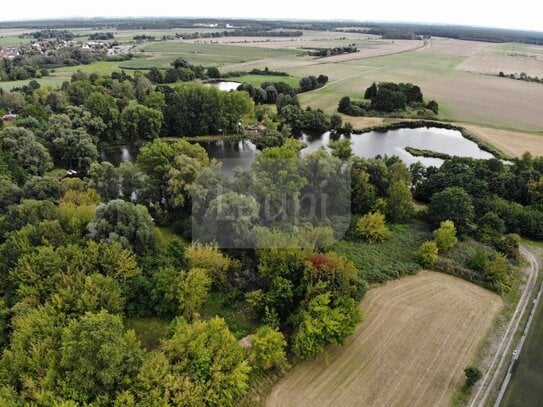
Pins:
x,y
276,203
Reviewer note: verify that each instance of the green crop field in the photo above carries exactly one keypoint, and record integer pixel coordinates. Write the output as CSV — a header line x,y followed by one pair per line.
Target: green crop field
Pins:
x,y
148,62
101,67
12,40
526,386
213,54
48,80
60,75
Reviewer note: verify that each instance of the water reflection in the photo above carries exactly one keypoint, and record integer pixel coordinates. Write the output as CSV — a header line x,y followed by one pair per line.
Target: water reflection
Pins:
x,y
393,142
224,85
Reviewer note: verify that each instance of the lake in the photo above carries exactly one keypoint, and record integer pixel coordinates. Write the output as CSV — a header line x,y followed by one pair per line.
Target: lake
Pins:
x,y
368,145
224,85
394,142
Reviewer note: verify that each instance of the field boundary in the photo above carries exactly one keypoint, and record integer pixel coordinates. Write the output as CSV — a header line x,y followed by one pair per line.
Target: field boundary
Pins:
x,y
485,388
518,350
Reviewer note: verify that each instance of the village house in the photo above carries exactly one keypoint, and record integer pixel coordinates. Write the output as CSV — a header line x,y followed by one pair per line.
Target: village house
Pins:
x,y
9,52
8,118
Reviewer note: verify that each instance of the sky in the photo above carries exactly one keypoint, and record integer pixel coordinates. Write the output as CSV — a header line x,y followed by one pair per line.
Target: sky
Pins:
x,y
522,14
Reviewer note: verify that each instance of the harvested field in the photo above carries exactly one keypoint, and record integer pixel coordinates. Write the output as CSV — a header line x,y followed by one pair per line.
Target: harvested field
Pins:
x,y
319,39
384,47
509,58
449,46
419,333
461,96
513,143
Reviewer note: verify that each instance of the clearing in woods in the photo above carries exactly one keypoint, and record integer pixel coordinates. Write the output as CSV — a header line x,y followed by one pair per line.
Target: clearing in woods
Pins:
x,y
418,335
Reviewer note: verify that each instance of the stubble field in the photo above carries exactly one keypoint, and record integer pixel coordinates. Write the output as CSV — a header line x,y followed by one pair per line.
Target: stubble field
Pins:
x,y
418,335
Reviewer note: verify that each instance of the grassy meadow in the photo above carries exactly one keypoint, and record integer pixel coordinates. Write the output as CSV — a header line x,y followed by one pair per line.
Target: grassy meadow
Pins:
x,y
374,262
12,40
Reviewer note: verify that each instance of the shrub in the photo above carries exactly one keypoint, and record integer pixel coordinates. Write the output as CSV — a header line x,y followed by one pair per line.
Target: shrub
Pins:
x,y
428,254
473,375
372,227
445,236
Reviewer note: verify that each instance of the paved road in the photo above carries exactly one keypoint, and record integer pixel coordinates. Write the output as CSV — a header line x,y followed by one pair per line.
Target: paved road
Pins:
x,y
504,351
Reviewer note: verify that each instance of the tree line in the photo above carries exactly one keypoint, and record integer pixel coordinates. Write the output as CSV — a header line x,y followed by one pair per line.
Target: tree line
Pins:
x,y
459,32
271,92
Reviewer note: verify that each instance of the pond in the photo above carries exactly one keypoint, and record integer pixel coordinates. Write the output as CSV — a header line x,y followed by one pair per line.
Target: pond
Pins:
x,y
394,142
224,85
368,145
118,154
231,154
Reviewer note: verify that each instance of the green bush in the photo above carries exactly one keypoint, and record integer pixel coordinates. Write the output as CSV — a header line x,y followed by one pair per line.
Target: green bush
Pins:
x,y
473,375
445,236
428,254
372,228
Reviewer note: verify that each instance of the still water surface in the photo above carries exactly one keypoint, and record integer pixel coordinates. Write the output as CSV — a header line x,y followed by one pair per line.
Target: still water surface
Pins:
x,y
371,144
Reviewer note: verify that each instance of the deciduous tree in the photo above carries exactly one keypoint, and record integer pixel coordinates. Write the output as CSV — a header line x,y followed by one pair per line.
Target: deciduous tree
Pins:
x,y
98,358
139,122
372,227
428,254
121,221
31,155
445,236
454,204
268,349
323,324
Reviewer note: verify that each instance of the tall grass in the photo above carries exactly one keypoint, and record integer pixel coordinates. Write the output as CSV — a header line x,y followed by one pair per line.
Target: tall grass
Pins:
x,y
380,262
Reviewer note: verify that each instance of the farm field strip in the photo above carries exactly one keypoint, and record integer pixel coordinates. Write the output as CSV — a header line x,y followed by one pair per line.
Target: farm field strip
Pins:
x,y
509,58
528,335
489,384
418,335
514,143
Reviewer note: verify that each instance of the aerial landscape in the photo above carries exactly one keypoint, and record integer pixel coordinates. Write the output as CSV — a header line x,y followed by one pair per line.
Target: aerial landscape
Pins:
x,y
262,210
